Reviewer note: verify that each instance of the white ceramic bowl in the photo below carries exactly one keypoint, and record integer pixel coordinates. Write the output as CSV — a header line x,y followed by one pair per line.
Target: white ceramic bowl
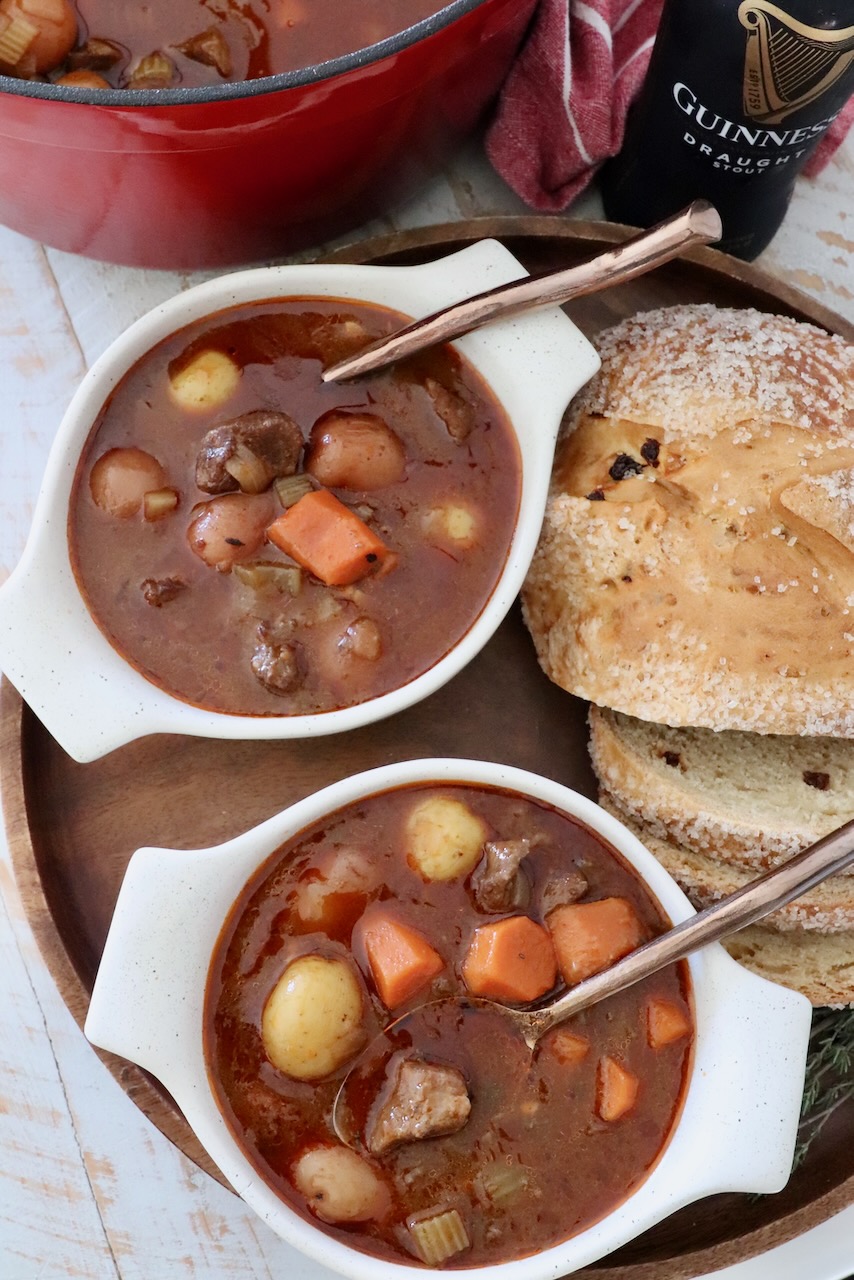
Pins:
x,y
739,1121
83,690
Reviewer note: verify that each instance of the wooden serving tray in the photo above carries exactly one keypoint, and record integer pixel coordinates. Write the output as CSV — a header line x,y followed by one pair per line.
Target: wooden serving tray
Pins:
x,y
72,828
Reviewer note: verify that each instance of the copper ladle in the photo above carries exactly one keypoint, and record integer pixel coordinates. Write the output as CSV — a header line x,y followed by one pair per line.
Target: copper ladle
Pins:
x,y
753,902
698,224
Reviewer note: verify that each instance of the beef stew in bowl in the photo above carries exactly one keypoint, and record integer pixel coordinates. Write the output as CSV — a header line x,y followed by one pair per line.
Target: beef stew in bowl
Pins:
x,y
183,174
477,1151
259,542
155,501
309,974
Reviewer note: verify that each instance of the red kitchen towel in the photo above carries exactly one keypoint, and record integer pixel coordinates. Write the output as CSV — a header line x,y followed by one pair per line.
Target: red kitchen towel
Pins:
x,y
563,107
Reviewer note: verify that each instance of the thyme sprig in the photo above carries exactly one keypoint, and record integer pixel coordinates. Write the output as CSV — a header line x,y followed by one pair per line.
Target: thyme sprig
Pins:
x,y
829,1074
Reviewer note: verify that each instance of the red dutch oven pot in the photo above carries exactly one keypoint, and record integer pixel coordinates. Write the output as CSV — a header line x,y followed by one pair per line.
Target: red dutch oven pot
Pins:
x,y
237,173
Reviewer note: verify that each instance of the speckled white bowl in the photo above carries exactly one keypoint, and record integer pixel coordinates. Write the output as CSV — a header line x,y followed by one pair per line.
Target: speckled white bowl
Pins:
x,y
739,1121
84,692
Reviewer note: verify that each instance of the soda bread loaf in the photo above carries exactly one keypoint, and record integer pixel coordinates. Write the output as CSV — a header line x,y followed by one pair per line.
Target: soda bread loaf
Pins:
x,y
696,565
828,908
745,799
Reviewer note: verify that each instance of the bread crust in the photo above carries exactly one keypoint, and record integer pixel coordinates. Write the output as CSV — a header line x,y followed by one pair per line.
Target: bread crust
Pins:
x,y
696,564
746,799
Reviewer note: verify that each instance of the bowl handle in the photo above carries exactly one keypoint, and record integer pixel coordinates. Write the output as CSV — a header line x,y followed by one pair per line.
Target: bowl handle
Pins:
x,y
148,999
752,1039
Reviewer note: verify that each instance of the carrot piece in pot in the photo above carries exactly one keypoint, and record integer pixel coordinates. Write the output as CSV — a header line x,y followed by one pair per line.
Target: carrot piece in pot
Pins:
x,y
665,1023
616,1090
401,959
589,936
328,539
511,959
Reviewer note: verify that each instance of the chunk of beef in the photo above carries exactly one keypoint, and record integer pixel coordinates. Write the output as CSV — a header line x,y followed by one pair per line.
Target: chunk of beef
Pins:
x,y
362,639
563,889
421,1100
456,413
159,591
498,882
249,452
275,662
210,48
95,55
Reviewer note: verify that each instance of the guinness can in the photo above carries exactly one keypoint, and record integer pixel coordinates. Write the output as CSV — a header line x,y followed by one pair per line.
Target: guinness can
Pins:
x,y
738,94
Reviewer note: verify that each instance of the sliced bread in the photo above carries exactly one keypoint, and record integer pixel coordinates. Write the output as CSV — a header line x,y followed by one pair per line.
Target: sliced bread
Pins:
x,y
742,798
828,908
819,965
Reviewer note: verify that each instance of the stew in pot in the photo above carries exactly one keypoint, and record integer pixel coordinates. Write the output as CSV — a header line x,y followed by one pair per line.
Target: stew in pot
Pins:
x,y
160,44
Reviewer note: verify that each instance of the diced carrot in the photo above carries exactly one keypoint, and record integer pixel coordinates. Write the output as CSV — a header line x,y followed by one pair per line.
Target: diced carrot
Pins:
x,y
328,539
616,1090
665,1023
510,959
567,1047
589,936
401,959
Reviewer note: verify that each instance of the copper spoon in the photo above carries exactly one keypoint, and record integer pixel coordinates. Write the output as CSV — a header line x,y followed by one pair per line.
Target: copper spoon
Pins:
x,y
827,857
698,224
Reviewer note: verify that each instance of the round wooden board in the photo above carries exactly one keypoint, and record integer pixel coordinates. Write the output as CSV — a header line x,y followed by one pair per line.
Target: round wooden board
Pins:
x,y
72,828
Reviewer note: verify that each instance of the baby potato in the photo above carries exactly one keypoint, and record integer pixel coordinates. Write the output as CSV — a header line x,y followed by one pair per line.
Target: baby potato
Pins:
x,y
121,478
230,528
453,524
444,838
83,79
345,881
340,1185
205,382
312,1020
354,451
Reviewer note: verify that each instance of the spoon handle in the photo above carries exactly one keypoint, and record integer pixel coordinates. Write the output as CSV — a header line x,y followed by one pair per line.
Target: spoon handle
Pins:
x,y
827,857
698,224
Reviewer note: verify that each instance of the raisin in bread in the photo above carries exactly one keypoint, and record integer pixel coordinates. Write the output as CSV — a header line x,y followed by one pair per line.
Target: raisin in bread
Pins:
x,y
696,564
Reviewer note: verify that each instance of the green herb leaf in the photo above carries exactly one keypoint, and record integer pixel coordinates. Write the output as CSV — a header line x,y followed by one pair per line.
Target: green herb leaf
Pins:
x,y
829,1074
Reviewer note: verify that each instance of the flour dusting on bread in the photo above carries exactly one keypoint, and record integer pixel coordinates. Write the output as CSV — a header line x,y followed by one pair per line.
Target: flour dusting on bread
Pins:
x,y
696,564
695,368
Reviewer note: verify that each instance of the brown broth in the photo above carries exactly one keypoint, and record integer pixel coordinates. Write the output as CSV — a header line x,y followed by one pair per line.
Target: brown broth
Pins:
x,y
261,39
199,644
530,1114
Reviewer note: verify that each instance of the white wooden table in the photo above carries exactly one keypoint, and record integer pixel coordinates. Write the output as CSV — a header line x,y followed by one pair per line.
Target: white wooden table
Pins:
x,y
88,1187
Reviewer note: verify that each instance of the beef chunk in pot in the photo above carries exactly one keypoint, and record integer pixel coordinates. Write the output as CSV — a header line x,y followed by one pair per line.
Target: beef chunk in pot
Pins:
x,y
249,452
275,662
564,889
422,1100
456,413
159,591
498,882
